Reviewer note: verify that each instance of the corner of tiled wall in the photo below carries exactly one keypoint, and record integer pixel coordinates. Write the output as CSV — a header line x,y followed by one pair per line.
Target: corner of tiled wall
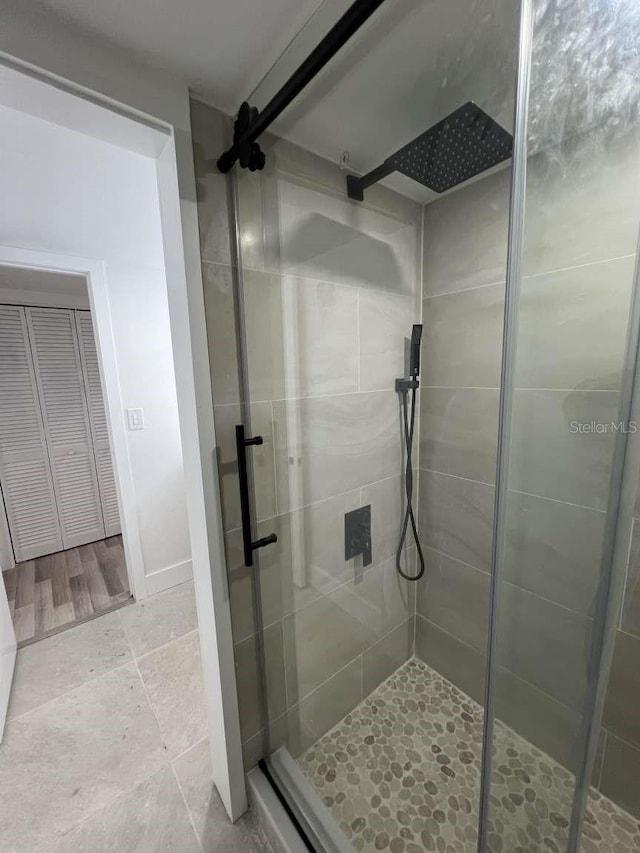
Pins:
x,y
330,293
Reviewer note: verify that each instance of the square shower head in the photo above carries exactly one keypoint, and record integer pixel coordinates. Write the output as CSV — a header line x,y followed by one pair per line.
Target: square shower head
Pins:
x,y
459,147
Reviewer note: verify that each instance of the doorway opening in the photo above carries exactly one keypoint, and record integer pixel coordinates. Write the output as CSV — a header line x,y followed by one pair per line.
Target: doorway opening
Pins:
x,y
63,557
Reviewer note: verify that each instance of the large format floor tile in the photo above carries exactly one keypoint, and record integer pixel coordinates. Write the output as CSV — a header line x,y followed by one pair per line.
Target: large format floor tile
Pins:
x,y
151,818
57,664
73,756
215,832
160,618
172,676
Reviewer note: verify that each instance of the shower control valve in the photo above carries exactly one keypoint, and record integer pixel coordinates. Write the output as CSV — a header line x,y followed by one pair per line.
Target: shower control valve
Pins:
x,y
404,385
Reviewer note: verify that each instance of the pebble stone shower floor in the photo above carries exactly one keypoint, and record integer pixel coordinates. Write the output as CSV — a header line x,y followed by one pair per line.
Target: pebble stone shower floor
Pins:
x,y
401,773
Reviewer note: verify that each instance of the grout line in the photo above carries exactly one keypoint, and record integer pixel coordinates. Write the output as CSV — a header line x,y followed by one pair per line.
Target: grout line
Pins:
x,y
333,675
424,387
297,277
457,477
494,283
501,668
522,389
103,808
186,804
605,736
354,393
528,277
514,491
358,384
627,568
275,462
131,660
293,510
578,266
71,690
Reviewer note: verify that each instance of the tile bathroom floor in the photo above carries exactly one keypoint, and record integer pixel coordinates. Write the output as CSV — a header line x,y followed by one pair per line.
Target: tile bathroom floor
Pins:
x,y
105,745
401,773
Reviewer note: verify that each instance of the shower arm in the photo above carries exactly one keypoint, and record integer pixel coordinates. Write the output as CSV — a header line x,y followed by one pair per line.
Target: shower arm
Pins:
x,y
251,123
356,186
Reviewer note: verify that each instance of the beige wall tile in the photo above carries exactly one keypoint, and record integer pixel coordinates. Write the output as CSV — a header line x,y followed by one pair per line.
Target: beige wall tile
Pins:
x,y
549,459
462,340
324,637
328,238
465,236
209,129
455,597
459,431
592,181
217,281
534,715
631,609
320,323
462,665
383,658
572,327
621,716
325,707
554,549
456,517
329,445
621,774
387,501
544,644
248,681
226,418
384,327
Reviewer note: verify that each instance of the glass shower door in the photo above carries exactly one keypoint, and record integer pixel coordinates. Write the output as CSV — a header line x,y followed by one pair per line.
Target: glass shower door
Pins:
x,y
372,686
564,523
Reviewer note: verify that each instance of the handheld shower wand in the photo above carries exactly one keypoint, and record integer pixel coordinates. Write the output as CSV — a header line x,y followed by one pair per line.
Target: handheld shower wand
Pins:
x,y
403,386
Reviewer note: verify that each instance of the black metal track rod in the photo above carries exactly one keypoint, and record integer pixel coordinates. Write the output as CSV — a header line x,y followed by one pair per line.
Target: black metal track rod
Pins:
x,y
355,16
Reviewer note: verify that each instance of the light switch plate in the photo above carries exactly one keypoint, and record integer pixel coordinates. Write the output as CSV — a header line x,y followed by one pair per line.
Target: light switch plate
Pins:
x,y
135,418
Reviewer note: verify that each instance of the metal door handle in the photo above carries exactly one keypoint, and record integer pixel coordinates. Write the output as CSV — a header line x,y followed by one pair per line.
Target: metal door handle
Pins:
x,y
249,545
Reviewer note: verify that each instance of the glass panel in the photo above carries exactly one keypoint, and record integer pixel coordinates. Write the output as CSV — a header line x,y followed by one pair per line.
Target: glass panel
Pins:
x,y
570,324
374,684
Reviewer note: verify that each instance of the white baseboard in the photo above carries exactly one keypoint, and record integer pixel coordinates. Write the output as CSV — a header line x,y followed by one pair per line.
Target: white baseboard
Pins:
x,y
168,577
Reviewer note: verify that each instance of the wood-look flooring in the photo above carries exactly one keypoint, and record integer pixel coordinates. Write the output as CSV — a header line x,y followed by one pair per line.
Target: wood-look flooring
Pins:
x,y
52,593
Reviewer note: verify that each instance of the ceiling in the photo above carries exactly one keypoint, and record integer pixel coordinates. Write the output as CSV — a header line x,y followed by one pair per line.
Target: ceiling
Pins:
x,y
412,63
219,47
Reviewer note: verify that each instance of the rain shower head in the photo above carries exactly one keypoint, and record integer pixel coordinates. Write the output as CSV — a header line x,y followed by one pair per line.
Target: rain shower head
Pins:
x,y
461,146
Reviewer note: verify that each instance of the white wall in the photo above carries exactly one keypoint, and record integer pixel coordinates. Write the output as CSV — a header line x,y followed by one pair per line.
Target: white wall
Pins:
x,y
52,50
68,193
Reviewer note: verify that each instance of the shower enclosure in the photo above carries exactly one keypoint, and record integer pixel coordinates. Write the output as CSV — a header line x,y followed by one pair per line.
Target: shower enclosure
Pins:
x,y
493,704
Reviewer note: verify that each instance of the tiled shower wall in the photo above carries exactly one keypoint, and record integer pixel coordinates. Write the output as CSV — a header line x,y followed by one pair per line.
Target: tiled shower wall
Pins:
x,y
331,289
582,215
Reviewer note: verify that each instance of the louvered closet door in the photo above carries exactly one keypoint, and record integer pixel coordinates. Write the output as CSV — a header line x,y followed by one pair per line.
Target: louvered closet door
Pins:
x,y
66,422
25,474
98,419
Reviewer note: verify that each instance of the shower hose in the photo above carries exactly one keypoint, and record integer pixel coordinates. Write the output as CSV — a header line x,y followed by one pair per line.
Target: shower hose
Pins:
x,y
408,424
